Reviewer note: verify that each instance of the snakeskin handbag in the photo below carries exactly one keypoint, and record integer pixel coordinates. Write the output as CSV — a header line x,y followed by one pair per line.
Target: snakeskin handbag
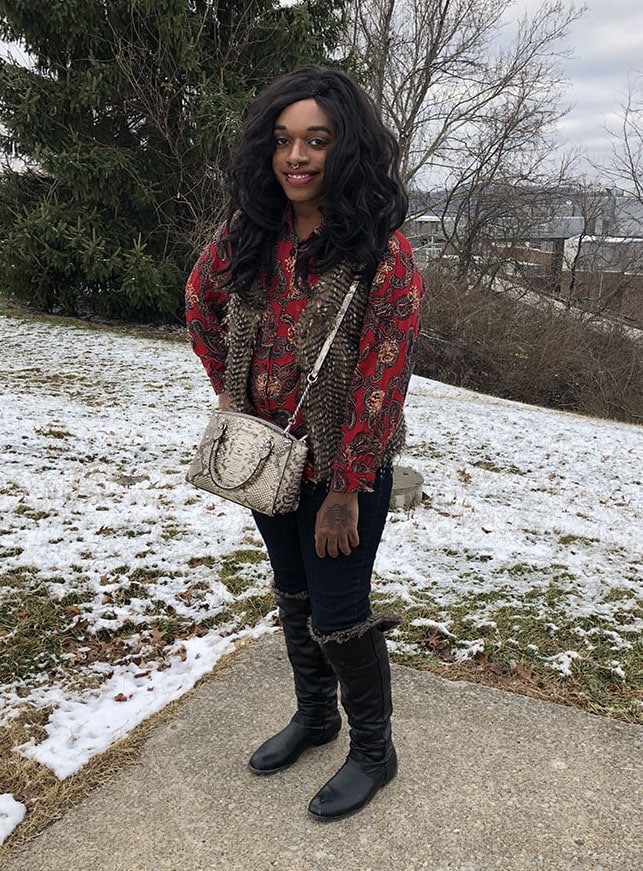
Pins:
x,y
253,462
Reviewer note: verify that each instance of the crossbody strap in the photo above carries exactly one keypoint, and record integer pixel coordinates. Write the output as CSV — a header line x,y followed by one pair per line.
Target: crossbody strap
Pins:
x,y
314,372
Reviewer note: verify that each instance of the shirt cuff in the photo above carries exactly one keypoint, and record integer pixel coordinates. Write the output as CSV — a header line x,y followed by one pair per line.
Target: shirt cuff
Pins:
x,y
345,481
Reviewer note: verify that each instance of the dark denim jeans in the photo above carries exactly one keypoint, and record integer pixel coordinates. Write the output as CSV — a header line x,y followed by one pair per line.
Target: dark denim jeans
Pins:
x,y
338,587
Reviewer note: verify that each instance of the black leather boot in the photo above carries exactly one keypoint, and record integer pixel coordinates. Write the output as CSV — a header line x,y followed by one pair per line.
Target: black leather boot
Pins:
x,y
362,666
317,720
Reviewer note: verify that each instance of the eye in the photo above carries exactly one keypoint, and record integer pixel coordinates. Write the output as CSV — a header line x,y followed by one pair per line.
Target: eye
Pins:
x,y
318,142
280,141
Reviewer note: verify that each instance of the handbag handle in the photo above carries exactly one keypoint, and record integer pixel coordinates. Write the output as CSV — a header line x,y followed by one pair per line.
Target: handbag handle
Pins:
x,y
265,449
330,338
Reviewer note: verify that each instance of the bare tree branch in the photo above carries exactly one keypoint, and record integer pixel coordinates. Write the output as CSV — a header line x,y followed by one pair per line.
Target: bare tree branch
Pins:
x,y
440,68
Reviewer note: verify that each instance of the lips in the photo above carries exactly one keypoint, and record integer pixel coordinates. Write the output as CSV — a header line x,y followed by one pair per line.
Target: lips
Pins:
x,y
299,178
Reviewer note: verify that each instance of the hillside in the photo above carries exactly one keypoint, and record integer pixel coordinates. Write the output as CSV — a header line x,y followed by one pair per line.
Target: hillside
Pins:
x,y
122,585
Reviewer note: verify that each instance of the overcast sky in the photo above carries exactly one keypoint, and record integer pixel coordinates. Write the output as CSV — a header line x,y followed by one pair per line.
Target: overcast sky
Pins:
x,y
607,45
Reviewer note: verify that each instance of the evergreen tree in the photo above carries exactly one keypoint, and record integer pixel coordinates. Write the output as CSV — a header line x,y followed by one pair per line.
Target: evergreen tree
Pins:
x,y
117,132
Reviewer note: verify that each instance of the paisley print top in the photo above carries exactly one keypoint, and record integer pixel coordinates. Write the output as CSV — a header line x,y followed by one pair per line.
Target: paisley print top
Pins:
x,y
384,365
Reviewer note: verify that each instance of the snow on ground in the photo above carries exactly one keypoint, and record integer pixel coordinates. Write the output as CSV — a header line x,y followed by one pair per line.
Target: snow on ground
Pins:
x,y
87,723
97,428
517,486
12,813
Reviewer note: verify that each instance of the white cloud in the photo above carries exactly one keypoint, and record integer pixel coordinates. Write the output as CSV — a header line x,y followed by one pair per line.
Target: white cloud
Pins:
x,y
607,46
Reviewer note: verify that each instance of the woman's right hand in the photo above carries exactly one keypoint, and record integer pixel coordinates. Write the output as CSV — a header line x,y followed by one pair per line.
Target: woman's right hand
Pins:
x,y
336,525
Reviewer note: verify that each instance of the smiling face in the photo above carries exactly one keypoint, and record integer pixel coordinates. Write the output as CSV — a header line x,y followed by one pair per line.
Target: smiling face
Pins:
x,y
303,135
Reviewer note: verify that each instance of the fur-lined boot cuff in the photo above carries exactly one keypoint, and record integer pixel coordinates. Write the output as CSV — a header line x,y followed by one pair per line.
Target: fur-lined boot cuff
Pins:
x,y
282,594
383,622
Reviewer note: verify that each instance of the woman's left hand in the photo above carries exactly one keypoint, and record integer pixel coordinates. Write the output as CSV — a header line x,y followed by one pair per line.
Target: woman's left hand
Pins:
x,y
336,525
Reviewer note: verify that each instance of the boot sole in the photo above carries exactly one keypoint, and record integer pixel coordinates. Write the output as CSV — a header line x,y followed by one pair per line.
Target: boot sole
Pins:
x,y
266,772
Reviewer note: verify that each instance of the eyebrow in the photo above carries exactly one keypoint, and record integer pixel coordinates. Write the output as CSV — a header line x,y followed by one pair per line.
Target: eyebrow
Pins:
x,y
309,129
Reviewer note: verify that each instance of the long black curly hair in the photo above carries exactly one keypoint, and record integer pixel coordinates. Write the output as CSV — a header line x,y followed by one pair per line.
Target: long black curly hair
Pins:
x,y
365,198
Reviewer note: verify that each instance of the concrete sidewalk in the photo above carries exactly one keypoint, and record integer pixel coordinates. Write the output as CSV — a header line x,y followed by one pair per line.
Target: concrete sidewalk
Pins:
x,y
488,780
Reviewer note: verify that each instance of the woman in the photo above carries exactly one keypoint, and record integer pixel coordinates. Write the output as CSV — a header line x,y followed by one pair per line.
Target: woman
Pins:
x,y
316,199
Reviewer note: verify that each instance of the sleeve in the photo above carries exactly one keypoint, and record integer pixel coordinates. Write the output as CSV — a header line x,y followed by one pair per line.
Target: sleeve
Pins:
x,y
206,300
374,407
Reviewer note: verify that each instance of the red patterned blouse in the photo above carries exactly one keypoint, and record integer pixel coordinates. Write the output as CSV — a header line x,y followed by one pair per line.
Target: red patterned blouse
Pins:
x,y
384,363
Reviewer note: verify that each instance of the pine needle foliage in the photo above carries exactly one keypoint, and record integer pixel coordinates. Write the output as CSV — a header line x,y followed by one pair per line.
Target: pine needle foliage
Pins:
x,y
116,120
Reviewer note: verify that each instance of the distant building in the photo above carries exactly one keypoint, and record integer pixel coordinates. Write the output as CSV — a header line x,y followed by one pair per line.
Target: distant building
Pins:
x,y
576,243
429,234
604,254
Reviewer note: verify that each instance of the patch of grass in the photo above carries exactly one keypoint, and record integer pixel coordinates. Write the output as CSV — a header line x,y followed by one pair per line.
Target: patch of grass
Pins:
x,y
562,573
516,646
433,450
175,333
12,488
518,570
170,531
121,570
251,540
27,511
577,539
627,616
448,551
475,557
490,466
6,552
54,452
247,611
124,595
144,575
48,798
233,572
53,433
26,780
106,641
34,626
171,628
209,561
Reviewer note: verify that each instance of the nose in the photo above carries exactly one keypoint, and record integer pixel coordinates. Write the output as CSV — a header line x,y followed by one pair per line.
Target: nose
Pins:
x,y
298,152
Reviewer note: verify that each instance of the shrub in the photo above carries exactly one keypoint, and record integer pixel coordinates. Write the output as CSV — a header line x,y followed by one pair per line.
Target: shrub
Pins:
x,y
529,349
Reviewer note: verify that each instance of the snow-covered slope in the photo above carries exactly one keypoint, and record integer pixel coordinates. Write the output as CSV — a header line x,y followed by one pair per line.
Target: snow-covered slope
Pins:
x,y
96,430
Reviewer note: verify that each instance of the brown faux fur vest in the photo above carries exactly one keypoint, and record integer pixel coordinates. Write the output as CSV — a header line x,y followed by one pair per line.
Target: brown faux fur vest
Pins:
x,y
325,404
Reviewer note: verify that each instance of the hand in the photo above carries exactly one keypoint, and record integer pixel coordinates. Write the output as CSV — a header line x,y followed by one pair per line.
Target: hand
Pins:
x,y
336,525
224,401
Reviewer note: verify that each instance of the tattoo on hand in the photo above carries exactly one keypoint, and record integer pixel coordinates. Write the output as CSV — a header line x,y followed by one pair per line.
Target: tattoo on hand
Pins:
x,y
337,516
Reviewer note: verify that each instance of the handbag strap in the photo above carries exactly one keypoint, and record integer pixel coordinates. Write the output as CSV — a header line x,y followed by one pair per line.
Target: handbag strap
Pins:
x,y
325,348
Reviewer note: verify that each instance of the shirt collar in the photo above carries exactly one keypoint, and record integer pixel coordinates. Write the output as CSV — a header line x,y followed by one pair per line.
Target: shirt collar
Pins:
x,y
289,224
